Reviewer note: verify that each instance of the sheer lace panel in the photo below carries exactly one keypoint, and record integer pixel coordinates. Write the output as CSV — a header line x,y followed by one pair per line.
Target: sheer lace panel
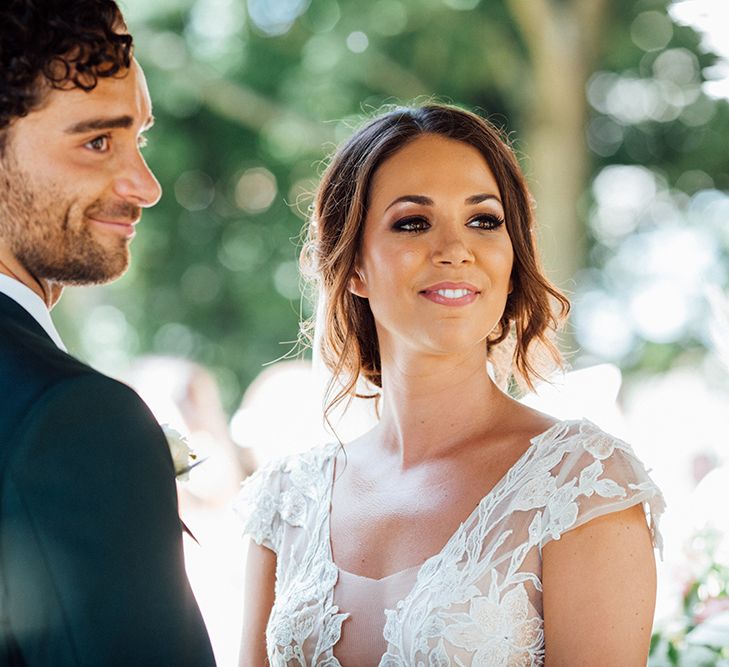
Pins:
x,y
476,602
362,642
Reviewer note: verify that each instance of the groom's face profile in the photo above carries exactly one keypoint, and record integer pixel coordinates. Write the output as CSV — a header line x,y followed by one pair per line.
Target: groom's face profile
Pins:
x,y
73,180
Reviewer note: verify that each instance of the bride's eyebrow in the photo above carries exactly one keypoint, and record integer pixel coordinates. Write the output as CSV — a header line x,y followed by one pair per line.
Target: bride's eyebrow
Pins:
x,y
427,201
415,199
477,199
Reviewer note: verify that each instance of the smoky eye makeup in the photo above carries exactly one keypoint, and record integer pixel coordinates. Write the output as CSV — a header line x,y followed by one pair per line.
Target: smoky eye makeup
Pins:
x,y
418,223
410,223
486,221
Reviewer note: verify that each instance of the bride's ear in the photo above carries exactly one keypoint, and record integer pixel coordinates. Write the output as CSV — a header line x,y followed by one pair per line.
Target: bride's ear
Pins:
x,y
357,284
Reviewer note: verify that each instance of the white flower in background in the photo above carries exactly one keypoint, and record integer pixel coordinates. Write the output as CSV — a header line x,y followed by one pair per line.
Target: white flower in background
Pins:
x,y
181,452
719,323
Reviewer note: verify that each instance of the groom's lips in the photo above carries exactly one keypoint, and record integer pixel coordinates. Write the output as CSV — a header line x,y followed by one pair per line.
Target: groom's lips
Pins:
x,y
122,227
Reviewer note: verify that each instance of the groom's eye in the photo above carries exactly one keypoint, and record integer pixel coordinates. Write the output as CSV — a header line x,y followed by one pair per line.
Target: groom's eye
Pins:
x,y
99,144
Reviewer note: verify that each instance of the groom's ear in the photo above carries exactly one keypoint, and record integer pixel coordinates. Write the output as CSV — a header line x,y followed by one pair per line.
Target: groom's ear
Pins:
x,y
357,284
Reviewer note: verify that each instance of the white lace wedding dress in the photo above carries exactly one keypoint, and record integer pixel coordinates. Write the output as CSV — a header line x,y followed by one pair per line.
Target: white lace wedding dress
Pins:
x,y
478,602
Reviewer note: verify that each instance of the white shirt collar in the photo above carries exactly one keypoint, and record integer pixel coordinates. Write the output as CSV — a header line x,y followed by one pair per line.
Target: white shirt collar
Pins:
x,y
30,301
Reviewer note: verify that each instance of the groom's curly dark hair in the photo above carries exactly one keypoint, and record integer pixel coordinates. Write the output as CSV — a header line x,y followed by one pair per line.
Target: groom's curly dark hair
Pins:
x,y
46,44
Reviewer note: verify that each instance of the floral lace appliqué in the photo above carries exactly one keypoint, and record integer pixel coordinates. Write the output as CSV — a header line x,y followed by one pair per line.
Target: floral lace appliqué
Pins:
x,y
497,630
475,603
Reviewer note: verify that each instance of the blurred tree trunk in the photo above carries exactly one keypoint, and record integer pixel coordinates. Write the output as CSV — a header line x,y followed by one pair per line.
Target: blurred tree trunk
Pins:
x,y
563,38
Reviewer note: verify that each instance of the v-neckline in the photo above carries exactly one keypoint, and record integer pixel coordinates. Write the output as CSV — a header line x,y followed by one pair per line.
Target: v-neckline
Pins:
x,y
533,442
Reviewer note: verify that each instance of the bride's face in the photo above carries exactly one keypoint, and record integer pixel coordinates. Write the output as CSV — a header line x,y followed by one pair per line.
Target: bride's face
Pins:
x,y
436,258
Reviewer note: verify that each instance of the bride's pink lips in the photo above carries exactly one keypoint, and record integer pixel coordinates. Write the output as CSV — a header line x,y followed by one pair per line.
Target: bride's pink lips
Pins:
x,y
432,294
124,228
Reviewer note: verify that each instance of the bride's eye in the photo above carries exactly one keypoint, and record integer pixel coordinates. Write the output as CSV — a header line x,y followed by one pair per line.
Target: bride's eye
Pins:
x,y
487,221
414,223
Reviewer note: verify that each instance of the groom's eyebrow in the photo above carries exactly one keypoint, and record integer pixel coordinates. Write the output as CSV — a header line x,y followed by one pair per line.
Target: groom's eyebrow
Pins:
x,y
112,123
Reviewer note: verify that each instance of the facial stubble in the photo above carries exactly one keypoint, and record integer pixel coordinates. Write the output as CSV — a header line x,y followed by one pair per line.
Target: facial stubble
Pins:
x,y
49,234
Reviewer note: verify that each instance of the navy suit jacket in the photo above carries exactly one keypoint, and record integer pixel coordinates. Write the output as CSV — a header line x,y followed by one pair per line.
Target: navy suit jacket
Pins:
x,y
91,564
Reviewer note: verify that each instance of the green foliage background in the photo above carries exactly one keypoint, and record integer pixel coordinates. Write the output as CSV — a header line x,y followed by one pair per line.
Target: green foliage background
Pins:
x,y
214,275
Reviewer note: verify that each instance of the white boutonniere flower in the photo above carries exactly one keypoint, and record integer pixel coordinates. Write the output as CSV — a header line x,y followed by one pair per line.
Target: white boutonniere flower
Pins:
x,y
183,456
184,460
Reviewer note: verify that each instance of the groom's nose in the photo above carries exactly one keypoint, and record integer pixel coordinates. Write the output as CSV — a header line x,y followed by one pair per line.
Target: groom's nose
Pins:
x,y
136,183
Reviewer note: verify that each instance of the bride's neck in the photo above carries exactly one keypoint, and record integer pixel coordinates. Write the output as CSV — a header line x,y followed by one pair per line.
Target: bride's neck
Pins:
x,y
427,409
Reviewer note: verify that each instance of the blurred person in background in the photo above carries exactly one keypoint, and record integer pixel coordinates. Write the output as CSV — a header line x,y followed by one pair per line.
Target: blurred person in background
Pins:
x,y
465,527
91,560
299,385
184,395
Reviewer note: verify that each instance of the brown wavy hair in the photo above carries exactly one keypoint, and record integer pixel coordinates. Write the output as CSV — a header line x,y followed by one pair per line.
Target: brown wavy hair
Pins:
x,y
349,344
47,44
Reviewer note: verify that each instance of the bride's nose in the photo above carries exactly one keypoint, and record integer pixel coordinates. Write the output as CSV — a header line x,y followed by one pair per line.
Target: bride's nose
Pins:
x,y
451,248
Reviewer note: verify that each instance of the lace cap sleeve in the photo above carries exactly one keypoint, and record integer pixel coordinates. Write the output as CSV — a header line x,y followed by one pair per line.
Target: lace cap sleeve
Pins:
x,y
257,505
600,475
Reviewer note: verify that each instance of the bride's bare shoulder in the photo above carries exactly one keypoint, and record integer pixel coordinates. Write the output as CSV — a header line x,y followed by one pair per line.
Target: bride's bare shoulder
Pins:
x,y
525,422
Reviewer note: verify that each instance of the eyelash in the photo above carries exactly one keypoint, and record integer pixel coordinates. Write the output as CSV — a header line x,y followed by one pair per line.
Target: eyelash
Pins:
x,y
105,137
494,222
142,142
